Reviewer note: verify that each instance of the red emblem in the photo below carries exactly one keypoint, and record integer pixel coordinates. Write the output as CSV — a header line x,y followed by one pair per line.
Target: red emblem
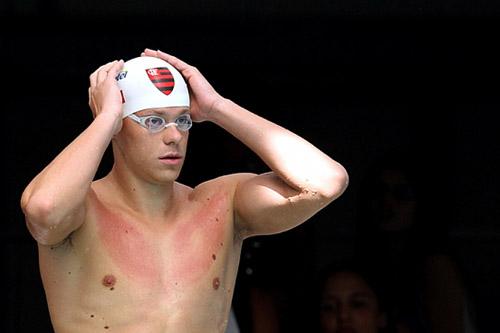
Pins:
x,y
162,78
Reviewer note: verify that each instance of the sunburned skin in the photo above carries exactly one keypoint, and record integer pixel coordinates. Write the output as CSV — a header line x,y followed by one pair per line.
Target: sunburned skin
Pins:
x,y
128,247
199,239
193,250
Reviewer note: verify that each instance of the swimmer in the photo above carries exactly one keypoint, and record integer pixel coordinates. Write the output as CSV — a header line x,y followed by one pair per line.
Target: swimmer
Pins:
x,y
137,251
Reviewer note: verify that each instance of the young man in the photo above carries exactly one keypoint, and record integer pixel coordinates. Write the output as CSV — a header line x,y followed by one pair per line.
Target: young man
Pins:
x,y
137,251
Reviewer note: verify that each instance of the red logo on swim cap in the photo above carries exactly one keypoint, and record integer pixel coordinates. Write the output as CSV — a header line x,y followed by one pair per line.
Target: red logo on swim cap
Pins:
x,y
162,78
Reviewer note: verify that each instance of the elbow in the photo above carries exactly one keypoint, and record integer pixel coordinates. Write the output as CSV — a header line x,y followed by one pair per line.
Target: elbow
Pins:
x,y
39,218
335,185
41,234
37,208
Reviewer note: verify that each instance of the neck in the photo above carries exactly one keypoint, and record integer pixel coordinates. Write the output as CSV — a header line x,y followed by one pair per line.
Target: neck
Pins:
x,y
148,200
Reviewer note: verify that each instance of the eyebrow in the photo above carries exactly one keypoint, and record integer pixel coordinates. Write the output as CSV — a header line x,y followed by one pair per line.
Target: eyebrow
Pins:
x,y
157,112
364,294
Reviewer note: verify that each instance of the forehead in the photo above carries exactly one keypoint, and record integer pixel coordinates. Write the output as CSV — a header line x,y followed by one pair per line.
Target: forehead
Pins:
x,y
391,176
345,283
165,111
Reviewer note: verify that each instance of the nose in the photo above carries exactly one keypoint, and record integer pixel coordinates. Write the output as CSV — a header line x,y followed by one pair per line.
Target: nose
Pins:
x,y
171,135
344,313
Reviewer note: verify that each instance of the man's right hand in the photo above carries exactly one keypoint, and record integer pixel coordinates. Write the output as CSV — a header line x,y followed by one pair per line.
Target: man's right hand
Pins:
x,y
104,93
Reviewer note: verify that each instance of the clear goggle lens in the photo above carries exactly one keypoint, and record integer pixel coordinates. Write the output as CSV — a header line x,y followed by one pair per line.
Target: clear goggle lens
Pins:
x,y
155,124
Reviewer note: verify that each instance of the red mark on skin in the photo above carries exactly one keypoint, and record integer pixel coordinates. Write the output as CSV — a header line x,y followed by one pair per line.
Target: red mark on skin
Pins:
x,y
194,236
216,283
202,233
127,246
108,281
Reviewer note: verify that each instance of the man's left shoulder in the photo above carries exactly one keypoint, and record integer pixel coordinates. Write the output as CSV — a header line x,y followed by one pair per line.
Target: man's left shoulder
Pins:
x,y
232,180
223,184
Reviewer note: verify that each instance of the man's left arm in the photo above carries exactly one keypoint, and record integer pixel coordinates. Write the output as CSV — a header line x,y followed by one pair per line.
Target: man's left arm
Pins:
x,y
303,179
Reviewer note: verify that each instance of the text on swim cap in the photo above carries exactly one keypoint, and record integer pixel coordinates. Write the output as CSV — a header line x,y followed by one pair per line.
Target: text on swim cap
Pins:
x,y
121,75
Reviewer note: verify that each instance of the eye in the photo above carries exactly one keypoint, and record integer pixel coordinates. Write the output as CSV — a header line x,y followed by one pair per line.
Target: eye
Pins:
x,y
154,123
184,122
329,307
360,303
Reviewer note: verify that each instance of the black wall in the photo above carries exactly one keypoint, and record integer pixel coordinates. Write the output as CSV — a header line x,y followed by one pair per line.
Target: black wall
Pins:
x,y
357,78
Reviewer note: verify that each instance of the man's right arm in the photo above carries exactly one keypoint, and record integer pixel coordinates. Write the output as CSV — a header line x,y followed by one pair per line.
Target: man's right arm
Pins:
x,y
54,201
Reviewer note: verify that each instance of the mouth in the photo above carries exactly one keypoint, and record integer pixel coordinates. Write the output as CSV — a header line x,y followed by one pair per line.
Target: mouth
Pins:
x,y
171,158
346,330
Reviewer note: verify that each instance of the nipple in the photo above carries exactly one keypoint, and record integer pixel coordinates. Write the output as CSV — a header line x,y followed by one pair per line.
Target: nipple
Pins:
x,y
109,281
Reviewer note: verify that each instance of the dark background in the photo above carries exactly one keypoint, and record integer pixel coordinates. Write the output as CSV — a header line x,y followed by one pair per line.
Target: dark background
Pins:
x,y
356,78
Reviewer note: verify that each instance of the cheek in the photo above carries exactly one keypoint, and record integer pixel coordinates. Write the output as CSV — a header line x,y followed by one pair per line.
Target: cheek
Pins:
x,y
328,322
132,137
130,147
366,320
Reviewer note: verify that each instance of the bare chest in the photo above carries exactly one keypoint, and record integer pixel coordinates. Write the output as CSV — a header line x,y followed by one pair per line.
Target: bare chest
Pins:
x,y
179,253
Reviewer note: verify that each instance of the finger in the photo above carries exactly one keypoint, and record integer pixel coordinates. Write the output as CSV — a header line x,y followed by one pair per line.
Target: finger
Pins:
x,y
149,52
174,61
116,67
91,102
101,76
93,76
105,66
92,105
106,72
93,79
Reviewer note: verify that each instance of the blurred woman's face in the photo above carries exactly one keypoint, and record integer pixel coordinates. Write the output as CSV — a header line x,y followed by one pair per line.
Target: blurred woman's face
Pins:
x,y
349,305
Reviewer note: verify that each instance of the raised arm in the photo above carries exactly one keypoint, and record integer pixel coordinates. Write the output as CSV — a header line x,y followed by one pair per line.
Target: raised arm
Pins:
x,y
54,201
303,179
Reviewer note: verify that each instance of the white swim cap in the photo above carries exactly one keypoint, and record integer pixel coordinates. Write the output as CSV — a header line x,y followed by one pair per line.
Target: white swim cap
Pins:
x,y
150,82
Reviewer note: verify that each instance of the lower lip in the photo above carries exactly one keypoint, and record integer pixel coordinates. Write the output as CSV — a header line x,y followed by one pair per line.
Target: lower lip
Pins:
x,y
171,161
347,330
